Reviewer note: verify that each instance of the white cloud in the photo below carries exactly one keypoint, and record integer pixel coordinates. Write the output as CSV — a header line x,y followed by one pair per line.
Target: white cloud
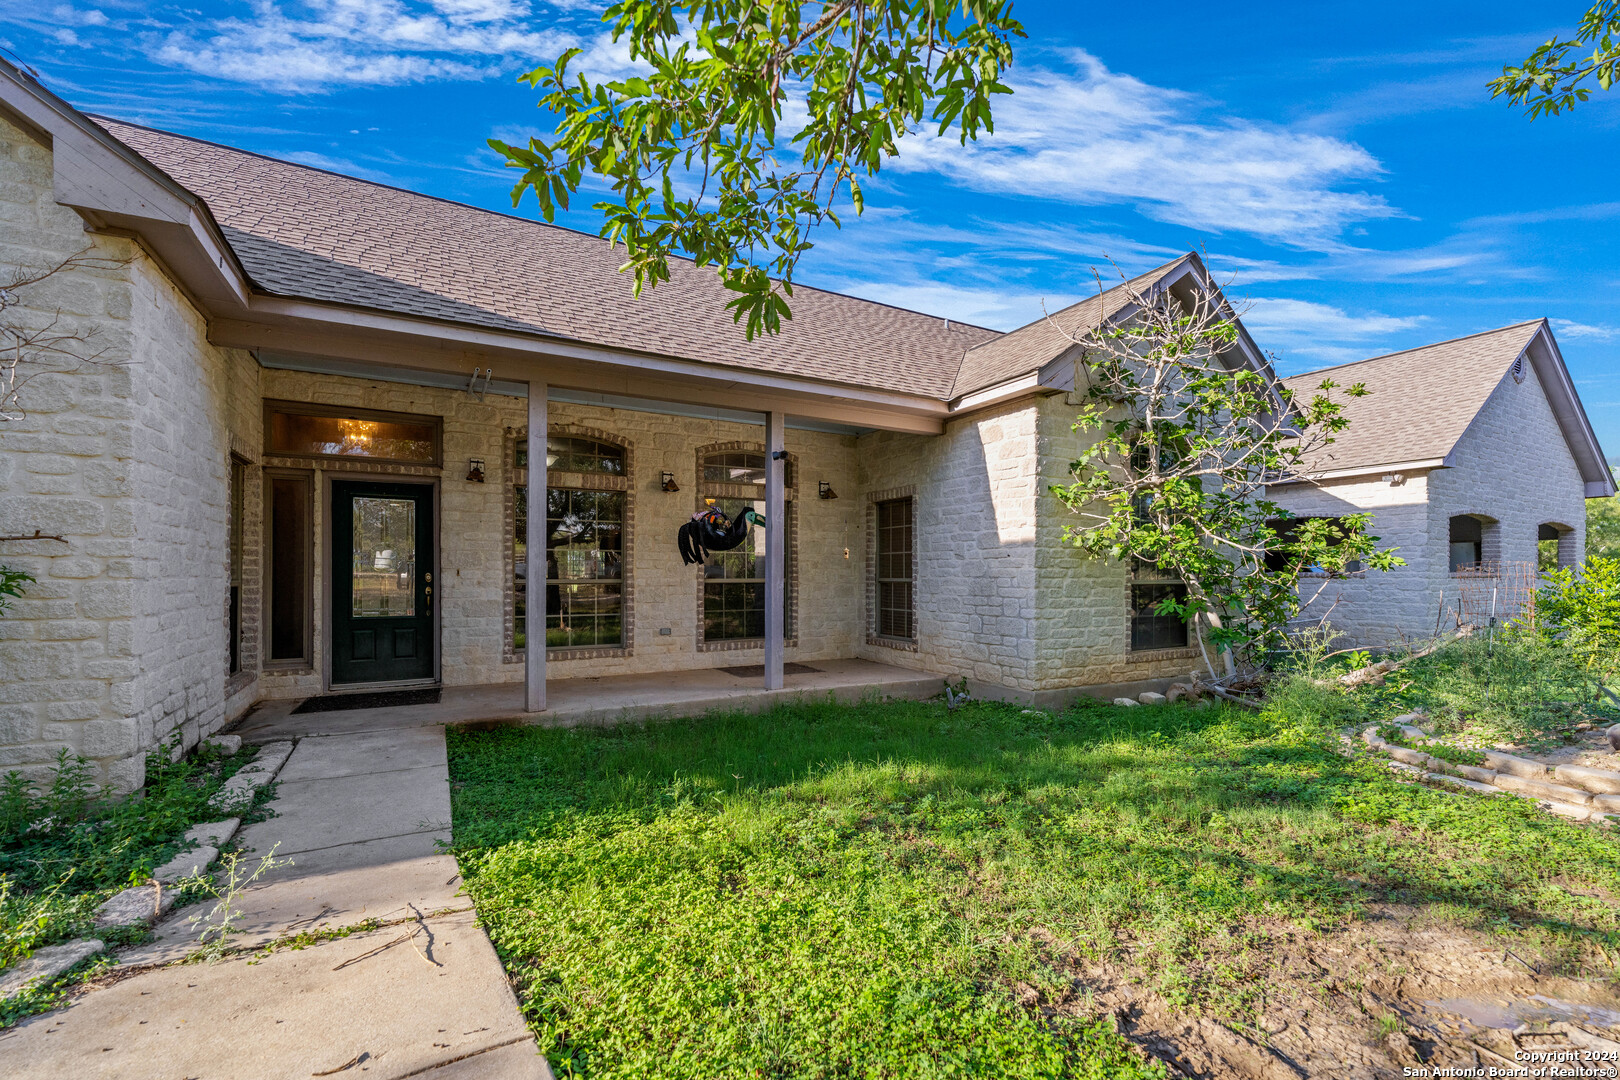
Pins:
x,y
1567,328
1087,135
363,42
1300,317
1321,332
338,165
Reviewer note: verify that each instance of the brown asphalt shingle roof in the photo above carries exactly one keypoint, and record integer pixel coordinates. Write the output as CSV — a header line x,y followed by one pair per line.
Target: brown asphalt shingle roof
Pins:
x,y
1420,401
305,233
1030,347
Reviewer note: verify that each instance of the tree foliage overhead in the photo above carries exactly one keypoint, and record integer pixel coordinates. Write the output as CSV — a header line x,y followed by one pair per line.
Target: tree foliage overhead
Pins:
x,y
1187,440
752,123
1550,80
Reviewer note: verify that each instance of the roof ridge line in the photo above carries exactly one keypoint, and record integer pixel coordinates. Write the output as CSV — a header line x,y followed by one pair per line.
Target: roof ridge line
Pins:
x,y
98,117
1418,348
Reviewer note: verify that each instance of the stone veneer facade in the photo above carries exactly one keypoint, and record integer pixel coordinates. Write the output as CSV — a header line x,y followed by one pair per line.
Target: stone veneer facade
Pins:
x,y
1512,466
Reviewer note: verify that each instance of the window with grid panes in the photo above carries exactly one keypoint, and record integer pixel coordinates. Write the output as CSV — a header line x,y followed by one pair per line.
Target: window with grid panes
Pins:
x,y
734,581
584,548
896,616
1149,629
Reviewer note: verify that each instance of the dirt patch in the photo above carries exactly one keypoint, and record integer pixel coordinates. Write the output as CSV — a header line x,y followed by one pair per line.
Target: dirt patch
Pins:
x,y
1393,991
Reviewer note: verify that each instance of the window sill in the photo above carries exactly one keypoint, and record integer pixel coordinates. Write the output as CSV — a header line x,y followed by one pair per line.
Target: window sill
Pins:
x,y
1148,656
902,644
737,644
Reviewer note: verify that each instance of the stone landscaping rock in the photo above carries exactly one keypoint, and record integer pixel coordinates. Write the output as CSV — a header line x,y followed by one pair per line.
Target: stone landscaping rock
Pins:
x,y
1540,790
1373,739
1401,766
1472,772
1614,738
227,744
1470,785
142,905
1411,757
217,833
1516,766
1148,697
1128,702
186,864
1574,813
1601,781
1411,719
1606,804
239,789
45,964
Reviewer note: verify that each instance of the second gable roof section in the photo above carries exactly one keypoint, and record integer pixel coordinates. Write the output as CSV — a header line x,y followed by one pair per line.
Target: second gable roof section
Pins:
x,y
1422,400
314,235
1031,348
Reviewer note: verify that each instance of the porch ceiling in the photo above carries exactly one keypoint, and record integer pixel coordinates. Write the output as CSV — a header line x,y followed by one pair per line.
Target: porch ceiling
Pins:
x,y
507,388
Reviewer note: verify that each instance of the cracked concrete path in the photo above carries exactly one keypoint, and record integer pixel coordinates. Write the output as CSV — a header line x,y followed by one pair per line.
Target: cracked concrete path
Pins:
x,y
423,995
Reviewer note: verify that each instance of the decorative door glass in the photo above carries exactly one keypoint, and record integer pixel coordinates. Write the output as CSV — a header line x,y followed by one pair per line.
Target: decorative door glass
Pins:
x,y
384,557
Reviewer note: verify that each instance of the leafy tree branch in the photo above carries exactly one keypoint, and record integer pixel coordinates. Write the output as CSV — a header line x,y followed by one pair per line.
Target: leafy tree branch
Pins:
x,y
1187,438
1550,80
697,152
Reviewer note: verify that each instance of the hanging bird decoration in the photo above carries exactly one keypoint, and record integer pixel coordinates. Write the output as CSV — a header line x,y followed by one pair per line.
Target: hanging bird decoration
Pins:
x,y
710,531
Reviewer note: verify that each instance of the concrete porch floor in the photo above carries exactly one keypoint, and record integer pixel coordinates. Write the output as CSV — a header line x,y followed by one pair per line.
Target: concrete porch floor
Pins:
x,y
600,700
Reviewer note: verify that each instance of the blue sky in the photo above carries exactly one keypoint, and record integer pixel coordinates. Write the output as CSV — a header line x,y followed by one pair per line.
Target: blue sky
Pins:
x,y
1343,164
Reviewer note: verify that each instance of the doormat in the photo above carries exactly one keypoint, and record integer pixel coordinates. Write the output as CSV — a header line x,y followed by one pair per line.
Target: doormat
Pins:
x,y
757,671
382,699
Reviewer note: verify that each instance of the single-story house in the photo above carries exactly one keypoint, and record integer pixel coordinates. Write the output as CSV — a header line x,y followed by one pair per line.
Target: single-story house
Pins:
x,y
303,462
1475,458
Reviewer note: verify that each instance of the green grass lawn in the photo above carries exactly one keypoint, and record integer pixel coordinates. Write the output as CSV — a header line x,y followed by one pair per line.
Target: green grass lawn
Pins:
x,y
889,890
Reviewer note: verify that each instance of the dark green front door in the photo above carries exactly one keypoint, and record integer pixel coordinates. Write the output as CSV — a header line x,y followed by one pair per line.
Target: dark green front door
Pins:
x,y
382,582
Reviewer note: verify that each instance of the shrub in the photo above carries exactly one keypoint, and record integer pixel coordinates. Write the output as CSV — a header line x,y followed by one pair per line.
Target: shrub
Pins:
x,y
1580,609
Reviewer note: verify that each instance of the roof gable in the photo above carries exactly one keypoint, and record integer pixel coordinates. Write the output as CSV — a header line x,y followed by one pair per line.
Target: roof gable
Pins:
x,y
1036,344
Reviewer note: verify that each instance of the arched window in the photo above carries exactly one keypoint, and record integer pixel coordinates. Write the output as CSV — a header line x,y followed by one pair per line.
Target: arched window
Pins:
x,y
587,526
732,478
1555,547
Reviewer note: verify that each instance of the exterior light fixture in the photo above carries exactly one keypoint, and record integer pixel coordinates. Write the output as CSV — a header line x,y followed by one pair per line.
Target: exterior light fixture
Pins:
x,y
825,490
1394,479
475,470
669,482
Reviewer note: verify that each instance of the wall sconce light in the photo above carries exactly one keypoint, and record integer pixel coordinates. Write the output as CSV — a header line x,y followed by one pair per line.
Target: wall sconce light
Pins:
x,y
825,490
1394,479
669,482
475,470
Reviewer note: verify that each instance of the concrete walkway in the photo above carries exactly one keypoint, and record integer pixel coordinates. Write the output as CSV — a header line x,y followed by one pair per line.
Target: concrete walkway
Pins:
x,y
422,996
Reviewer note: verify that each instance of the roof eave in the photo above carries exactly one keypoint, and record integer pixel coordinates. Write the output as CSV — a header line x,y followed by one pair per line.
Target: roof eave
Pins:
x,y
295,326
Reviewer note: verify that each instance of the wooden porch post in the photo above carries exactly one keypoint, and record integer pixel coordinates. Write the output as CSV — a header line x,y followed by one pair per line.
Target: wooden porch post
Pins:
x,y
775,544
534,649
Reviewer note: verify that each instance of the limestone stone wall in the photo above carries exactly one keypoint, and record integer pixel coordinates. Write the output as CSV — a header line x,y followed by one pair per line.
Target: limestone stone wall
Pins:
x,y
192,405
67,647
1375,607
1082,603
1512,466
976,489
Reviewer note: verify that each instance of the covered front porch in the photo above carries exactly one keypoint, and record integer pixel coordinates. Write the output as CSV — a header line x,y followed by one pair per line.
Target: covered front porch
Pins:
x,y
605,699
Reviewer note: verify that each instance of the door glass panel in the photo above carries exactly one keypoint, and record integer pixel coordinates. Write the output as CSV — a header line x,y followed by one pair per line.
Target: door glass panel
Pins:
x,y
384,557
